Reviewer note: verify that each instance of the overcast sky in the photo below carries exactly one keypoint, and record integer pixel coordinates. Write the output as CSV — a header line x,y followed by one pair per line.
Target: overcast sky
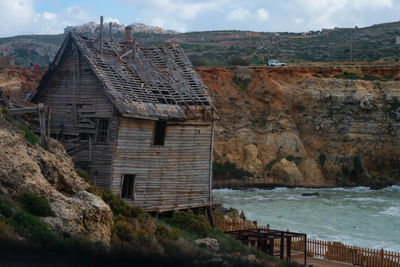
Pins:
x,y
52,16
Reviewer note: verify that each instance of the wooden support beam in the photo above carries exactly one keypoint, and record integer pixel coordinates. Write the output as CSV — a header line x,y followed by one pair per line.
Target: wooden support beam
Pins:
x,y
288,248
90,148
210,216
43,137
15,111
48,123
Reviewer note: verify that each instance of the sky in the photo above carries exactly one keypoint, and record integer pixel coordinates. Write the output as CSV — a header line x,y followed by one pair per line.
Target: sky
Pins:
x,y
19,17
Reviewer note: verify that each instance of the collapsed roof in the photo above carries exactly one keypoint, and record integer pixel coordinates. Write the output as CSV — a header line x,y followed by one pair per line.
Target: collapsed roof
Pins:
x,y
142,82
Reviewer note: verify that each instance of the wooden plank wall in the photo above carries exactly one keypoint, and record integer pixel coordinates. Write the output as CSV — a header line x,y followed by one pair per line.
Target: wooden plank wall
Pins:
x,y
173,176
75,87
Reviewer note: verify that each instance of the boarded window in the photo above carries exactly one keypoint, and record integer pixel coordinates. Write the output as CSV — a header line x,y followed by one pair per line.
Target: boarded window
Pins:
x,y
159,133
102,130
128,186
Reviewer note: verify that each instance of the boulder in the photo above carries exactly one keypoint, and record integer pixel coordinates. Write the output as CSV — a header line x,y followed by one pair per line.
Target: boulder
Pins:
x,y
210,243
286,172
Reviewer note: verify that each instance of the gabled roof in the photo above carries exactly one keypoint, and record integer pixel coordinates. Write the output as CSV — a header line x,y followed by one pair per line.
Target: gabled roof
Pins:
x,y
143,82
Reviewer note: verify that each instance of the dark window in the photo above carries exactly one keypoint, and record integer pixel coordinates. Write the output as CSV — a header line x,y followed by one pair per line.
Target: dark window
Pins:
x,y
159,133
102,130
84,136
128,186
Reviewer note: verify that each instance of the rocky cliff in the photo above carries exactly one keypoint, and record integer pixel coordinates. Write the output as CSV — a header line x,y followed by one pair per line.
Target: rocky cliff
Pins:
x,y
327,126
27,168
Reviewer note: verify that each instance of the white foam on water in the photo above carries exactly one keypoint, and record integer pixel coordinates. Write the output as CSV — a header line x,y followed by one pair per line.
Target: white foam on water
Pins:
x,y
392,211
366,199
329,217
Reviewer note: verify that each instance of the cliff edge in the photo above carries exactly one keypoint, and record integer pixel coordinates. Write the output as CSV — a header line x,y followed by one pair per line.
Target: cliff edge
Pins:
x,y
297,126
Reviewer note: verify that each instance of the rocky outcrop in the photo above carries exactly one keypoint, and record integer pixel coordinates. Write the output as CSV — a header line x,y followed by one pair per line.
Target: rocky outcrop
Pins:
x,y
305,126
51,175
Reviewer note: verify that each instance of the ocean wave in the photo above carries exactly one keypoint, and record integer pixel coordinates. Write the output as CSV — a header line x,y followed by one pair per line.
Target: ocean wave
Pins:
x,y
392,211
365,199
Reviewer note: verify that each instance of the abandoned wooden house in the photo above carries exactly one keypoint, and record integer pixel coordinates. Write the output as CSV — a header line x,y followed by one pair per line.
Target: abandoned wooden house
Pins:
x,y
138,119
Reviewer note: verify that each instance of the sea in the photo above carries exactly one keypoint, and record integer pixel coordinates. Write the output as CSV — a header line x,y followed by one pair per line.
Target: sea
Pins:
x,y
353,216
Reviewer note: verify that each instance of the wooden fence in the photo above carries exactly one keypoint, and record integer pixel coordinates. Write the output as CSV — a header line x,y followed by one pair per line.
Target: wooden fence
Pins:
x,y
333,251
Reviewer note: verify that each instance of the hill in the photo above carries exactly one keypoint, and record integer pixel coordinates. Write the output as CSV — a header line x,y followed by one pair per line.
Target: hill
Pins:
x,y
213,48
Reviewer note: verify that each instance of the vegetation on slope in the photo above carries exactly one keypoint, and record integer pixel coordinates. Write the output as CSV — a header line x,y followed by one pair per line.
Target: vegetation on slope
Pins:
x,y
216,48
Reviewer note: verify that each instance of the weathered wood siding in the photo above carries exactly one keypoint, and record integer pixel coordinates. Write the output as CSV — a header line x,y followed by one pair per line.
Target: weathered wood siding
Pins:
x,y
73,94
173,176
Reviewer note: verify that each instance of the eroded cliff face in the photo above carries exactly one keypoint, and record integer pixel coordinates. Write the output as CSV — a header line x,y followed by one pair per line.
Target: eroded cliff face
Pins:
x,y
302,126
50,175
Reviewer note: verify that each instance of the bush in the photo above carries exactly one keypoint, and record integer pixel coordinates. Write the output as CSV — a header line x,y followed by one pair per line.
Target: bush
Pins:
x,y
34,229
83,174
357,164
238,61
322,159
163,233
29,135
242,83
117,205
228,168
5,232
123,231
5,210
187,220
36,205
198,62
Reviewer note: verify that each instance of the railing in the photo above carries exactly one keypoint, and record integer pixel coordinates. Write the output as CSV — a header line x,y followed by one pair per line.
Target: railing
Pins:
x,y
333,251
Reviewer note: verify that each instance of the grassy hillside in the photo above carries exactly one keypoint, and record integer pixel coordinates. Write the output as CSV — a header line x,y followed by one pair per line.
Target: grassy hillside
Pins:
x,y
372,43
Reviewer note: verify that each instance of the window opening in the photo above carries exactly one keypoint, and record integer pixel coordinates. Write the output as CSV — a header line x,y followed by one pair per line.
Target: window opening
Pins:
x,y
128,186
159,133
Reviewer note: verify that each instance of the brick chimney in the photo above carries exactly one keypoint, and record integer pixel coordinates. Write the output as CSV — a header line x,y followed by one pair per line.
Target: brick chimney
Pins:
x,y
128,34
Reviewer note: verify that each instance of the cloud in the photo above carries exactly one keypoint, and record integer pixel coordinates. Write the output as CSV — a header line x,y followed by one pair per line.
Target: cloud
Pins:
x,y
173,14
19,17
262,14
332,13
240,14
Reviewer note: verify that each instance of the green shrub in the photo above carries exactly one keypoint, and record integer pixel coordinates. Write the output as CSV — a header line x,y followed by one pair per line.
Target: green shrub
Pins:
x,y
242,83
5,210
198,62
5,231
357,165
117,205
228,168
29,135
36,205
348,76
123,231
163,233
34,229
193,223
322,159
345,171
238,61
83,174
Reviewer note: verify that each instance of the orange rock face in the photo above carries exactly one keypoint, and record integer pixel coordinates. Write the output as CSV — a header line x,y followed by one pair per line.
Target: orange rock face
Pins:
x,y
309,126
